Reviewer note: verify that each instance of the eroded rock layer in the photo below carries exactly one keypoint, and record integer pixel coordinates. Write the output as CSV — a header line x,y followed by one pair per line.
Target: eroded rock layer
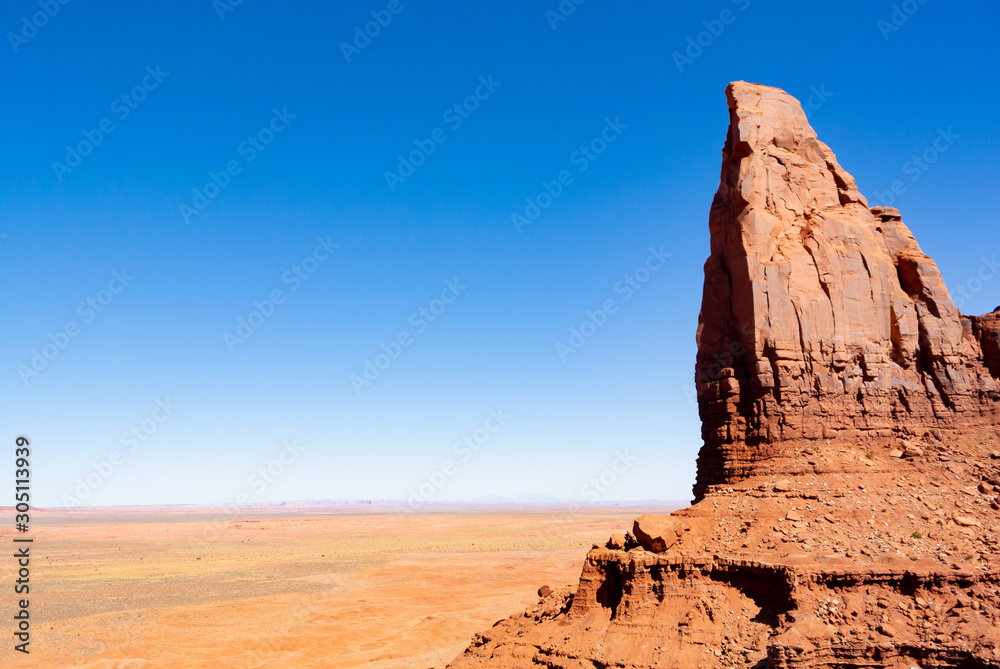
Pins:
x,y
847,510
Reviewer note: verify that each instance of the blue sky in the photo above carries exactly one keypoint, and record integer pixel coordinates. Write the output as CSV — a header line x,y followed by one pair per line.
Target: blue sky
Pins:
x,y
278,140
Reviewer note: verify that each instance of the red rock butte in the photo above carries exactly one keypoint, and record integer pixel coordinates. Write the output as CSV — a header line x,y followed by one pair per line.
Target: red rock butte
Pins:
x,y
846,499
821,318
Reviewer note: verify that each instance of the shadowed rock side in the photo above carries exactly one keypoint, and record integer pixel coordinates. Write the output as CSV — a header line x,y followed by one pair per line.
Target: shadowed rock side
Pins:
x,y
848,489
987,331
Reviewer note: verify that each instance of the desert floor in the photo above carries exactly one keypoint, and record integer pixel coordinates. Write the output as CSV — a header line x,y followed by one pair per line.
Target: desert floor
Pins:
x,y
123,589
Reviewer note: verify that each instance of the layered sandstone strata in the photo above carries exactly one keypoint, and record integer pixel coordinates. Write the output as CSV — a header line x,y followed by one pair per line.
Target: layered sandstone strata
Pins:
x,y
848,490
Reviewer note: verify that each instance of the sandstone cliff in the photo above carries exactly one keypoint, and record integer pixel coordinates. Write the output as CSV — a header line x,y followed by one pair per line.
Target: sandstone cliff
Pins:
x,y
820,318
847,491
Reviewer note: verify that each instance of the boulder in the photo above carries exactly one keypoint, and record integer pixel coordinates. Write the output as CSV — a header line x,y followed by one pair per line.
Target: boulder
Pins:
x,y
658,533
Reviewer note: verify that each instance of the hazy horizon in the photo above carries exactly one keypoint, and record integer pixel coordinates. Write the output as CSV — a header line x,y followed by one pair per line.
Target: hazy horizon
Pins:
x,y
395,505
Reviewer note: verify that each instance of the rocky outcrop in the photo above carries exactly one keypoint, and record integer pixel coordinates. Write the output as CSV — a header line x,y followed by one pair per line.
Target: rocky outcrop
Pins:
x,y
987,330
849,483
821,318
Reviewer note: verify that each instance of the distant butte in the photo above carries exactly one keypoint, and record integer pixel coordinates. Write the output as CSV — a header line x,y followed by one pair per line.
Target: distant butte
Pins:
x,y
847,492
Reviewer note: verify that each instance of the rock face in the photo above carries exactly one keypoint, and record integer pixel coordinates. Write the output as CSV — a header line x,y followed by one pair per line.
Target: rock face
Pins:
x,y
821,318
987,331
848,490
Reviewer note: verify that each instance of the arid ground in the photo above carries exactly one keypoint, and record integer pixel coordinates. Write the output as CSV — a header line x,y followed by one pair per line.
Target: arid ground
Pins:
x,y
122,589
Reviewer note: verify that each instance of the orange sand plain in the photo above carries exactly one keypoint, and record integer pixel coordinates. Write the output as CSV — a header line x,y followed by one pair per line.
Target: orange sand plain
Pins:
x,y
133,589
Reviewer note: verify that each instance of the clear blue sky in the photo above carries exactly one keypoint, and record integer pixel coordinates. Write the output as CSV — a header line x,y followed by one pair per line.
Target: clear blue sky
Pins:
x,y
327,131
